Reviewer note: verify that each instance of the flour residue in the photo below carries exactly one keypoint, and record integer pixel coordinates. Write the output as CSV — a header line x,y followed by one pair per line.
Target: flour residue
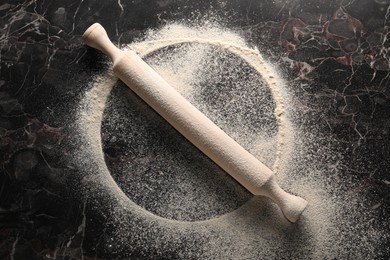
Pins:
x,y
257,229
228,41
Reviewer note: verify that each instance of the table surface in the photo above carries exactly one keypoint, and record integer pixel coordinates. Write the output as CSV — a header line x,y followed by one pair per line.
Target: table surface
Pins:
x,y
89,170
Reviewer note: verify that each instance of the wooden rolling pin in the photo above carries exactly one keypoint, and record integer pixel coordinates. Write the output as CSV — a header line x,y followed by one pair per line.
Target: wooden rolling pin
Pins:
x,y
193,124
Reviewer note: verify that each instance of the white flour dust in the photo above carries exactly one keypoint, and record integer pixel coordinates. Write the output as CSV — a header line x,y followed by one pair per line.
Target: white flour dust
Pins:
x,y
188,58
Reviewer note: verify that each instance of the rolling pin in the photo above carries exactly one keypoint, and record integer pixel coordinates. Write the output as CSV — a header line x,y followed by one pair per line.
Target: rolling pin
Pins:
x,y
193,124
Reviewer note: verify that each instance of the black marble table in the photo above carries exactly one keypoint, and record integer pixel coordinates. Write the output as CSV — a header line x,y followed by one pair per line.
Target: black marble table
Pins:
x,y
334,58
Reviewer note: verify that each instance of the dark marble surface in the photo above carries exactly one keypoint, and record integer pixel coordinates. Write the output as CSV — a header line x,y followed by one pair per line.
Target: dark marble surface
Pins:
x,y
336,53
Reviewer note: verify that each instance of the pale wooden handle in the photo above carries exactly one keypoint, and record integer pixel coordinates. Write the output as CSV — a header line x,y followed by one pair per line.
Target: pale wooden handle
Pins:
x,y
193,124
96,37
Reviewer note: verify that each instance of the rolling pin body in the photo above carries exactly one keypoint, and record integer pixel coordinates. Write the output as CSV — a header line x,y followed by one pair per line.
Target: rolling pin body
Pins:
x,y
193,124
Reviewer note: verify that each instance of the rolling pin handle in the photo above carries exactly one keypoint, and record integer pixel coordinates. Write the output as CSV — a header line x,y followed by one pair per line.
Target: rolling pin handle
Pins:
x,y
292,206
96,37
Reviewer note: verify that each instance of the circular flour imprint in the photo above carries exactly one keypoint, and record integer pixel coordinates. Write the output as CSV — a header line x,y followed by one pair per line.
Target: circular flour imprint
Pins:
x,y
159,169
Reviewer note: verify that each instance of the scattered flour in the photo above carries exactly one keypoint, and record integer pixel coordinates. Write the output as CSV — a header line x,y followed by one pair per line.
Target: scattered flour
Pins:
x,y
254,230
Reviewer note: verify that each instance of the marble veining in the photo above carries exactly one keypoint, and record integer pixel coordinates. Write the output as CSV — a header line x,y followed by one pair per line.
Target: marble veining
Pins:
x,y
334,56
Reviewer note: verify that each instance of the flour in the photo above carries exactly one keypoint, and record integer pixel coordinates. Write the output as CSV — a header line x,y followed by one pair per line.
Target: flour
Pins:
x,y
252,228
176,35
